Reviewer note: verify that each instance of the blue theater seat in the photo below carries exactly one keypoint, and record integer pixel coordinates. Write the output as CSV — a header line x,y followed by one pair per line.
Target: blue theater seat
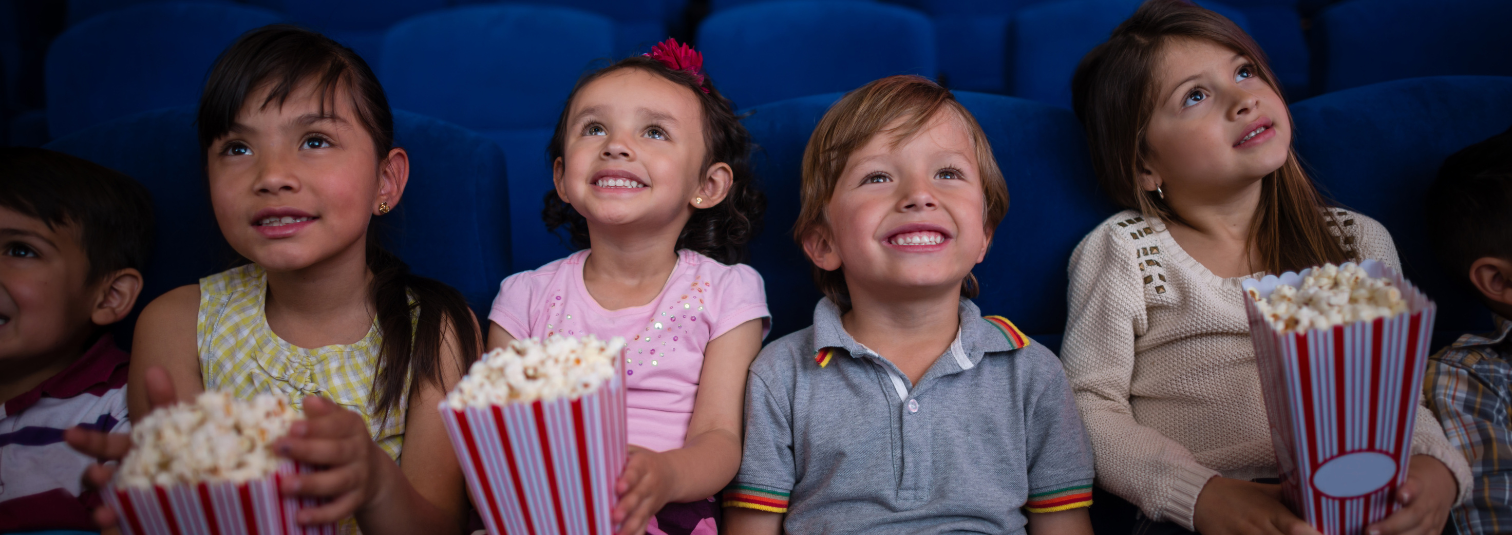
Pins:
x,y
82,10
451,224
1053,194
358,24
972,36
1367,41
638,24
1049,40
1376,149
139,58
772,51
505,72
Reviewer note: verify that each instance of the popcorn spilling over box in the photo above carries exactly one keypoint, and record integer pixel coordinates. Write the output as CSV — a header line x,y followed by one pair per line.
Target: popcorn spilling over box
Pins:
x,y
539,429
208,467
1341,352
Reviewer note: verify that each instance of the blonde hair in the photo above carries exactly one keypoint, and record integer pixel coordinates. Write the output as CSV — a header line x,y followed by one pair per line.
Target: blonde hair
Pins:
x,y
1113,93
855,120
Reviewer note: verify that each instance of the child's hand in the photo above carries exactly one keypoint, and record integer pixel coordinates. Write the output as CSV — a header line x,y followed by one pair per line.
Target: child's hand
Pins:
x,y
1425,500
1233,506
338,439
643,489
114,446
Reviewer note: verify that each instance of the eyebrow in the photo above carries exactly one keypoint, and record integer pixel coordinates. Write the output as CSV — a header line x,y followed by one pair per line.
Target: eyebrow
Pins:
x,y
657,115
312,118
8,232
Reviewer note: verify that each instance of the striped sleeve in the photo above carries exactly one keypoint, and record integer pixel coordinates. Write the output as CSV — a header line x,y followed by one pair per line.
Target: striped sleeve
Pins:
x,y
1060,499
753,497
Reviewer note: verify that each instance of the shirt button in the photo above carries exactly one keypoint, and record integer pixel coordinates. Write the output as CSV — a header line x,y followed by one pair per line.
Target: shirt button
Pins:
x,y
913,405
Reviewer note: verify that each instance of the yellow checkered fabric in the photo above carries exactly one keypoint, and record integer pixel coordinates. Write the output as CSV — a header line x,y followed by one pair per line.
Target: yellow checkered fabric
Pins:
x,y
241,355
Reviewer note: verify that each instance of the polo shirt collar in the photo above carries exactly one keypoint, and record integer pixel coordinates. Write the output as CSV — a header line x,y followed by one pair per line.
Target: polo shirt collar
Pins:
x,y
976,337
99,369
1496,336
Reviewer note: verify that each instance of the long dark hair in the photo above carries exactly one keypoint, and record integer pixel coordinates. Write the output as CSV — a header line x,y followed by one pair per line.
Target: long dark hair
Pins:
x,y
283,58
1113,93
720,232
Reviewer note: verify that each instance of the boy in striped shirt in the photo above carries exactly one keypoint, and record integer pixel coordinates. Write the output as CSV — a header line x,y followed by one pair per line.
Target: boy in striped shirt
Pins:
x,y
903,409
73,239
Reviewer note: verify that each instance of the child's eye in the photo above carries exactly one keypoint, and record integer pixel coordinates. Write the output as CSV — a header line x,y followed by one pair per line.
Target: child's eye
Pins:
x,y
1193,98
949,174
876,178
236,149
19,250
1246,72
316,142
594,129
656,133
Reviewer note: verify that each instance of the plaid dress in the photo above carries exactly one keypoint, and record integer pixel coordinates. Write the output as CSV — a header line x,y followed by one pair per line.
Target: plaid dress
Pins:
x,y
240,354
1469,388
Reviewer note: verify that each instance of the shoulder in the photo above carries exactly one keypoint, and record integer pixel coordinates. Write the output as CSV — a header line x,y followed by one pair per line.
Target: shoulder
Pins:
x,y
1352,223
709,268
1115,234
178,304
780,361
1364,237
545,275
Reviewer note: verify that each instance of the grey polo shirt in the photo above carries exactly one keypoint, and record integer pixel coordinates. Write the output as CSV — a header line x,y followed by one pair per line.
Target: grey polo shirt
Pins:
x,y
989,431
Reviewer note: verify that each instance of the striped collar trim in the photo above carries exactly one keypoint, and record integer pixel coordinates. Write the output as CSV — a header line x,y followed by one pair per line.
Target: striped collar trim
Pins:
x,y
1010,332
823,355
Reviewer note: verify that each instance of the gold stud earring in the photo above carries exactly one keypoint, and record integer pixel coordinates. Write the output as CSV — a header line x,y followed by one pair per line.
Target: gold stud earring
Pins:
x,y
383,208
698,200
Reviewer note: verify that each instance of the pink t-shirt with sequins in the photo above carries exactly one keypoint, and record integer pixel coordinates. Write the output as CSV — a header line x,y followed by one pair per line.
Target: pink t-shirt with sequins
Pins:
x,y
664,339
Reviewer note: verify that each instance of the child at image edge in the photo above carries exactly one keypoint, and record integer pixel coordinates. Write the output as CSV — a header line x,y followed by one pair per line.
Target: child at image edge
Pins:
x,y
652,182
903,409
1188,131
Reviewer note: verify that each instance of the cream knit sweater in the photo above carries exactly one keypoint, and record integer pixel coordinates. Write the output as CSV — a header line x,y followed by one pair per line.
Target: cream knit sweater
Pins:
x,y
1158,352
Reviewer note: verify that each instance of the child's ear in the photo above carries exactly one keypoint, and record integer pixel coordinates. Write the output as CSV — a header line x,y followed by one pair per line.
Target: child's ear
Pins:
x,y
557,170
986,246
115,296
1493,277
1148,179
393,176
820,248
714,187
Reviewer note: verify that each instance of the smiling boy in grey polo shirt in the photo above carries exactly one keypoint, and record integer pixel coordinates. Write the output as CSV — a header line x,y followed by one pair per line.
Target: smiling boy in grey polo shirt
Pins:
x,y
902,409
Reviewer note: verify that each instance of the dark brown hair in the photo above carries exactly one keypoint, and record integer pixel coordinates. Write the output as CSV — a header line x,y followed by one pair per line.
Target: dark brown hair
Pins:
x,y
1113,93
1470,206
284,58
111,212
850,124
721,231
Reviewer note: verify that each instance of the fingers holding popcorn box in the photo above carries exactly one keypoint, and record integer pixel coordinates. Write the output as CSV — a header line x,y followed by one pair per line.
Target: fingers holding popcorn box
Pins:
x,y
1341,352
539,428
207,466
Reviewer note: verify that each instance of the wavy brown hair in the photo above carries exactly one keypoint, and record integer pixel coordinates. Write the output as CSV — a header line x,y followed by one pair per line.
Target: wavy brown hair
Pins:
x,y
721,231
850,124
414,313
1113,94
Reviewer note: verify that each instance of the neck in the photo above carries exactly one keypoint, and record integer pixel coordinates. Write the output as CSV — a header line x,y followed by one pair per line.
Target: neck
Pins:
x,y
630,255
329,288
1225,216
906,328
20,375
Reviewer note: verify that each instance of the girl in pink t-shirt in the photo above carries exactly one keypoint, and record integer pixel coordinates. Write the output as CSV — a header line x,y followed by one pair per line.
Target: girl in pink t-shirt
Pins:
x,y
650,166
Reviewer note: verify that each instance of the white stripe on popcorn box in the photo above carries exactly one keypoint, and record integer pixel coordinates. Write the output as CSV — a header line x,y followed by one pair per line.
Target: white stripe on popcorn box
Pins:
x,y
543,467
1341,405
251,508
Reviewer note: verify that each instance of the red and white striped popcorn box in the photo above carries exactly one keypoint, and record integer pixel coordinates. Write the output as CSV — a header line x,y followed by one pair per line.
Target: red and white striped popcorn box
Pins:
x,y
1342,403
225,508
546,466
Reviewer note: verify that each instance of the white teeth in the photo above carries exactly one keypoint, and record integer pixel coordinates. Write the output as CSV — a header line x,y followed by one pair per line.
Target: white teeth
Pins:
x,y
618,183
1252,135
918,238
281,221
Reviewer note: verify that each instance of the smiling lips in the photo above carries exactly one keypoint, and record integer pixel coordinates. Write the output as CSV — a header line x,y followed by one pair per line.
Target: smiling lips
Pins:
x,y
281,222
1257,130
918,238
617,179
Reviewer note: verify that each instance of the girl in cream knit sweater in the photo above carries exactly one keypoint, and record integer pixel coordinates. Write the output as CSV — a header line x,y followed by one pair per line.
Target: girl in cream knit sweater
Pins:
x,y
1188,130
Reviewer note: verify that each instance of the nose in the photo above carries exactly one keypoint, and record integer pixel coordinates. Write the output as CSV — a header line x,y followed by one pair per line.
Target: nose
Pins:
x,y
1245,103
616,147
275,175
917,195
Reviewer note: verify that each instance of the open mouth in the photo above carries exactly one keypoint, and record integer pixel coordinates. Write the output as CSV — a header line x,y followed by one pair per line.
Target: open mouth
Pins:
x,y
926,237
618,183
281,221
1257,129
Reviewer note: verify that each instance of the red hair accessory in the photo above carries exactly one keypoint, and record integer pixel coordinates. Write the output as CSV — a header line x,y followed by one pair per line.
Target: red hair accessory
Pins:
x,y
680,57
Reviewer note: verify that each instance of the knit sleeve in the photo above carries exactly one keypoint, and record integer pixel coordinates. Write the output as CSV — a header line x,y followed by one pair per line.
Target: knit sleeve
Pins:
x,y
1367,238
1106,314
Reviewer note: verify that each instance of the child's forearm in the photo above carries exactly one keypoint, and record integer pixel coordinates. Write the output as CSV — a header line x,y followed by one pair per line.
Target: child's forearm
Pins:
x,y
705,464
741,521
1070,521
397,507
